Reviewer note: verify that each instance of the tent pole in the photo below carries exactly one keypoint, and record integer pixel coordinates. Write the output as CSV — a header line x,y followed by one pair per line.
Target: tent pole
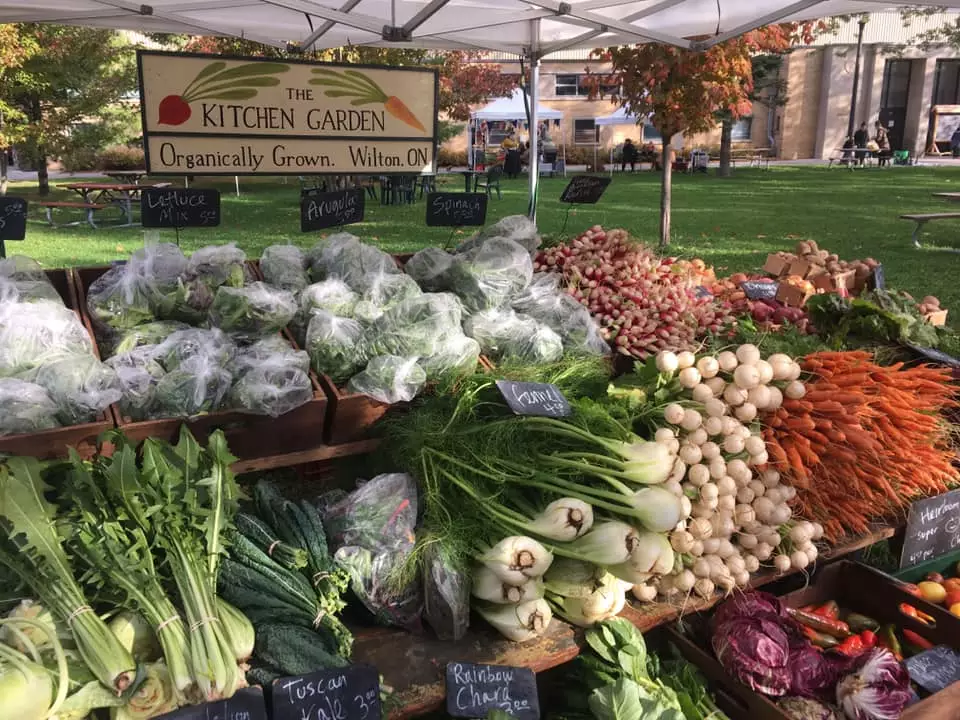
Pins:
x,y
534,120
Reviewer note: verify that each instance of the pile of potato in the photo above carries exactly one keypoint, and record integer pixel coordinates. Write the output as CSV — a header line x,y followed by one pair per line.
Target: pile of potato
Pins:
x,y
823,261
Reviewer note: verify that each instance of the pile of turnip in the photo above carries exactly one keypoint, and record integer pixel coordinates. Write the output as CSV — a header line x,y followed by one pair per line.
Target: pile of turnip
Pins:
x,y
642,302
740,518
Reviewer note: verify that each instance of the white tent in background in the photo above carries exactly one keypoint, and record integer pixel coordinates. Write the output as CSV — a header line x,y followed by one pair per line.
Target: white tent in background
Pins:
x,y
529,28
620,117
513,108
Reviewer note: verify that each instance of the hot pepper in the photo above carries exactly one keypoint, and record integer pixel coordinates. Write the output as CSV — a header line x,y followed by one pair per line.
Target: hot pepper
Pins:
x,y
911,611
911,637
851,647
888,639
829,610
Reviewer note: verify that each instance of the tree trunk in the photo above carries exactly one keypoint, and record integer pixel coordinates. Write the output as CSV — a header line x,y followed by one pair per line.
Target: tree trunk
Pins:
x,y
726,147
3,172
665,192
43,177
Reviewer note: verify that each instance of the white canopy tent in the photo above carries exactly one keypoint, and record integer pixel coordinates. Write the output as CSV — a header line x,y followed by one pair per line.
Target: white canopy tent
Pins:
x,y
619,117
508,109
530,28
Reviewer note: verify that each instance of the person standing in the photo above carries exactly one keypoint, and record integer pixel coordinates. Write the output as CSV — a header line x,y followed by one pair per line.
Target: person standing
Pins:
x,y
882,139
629,156
860,138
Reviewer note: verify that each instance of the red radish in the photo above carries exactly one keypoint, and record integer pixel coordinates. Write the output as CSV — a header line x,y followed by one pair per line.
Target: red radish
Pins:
x,y
174,110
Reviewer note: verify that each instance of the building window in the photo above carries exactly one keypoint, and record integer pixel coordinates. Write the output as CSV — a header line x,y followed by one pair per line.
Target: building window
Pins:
x,y
582,86
946,83
896,84
650,133
586,132
565,86
742,129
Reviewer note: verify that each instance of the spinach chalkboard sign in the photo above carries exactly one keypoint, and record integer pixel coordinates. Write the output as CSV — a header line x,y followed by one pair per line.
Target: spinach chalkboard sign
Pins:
x,y
319,210
179,207
13,220
245,704
350,693
475,690
934,669
760,290
456,209
529,398
933,529
584,189
876,279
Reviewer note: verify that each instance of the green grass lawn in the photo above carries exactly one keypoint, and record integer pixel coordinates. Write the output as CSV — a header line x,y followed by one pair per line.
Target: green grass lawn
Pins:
x,y
730,223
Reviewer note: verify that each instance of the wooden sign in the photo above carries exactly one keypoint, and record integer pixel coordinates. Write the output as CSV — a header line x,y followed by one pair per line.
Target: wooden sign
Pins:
x,y
245,704
179,207
456,209
475,690
350,693
584,189
760,290
933,529
13,220
207,115
934,669
528,398
319,210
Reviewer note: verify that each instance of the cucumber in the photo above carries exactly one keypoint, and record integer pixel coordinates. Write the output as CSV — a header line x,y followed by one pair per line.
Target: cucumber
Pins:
x,y
858,623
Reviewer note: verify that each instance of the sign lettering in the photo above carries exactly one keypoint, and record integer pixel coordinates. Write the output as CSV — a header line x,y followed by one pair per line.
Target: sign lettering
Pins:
x,y
934,669
456,209
319,210
351,693
584,189
475,690
760,290
933,529
245,704
179,207
527,398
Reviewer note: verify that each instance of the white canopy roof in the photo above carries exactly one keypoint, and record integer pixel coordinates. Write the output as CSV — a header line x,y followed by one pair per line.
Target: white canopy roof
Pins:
x,y
618,117
515,26
513,108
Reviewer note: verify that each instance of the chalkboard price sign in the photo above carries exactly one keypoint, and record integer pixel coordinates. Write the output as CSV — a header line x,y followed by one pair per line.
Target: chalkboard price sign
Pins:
x,y
584,189
933,529
934,355
474,690
350,693
179,207
760,290
245,704
456,209
876,280
331,209
934,669
13,220
528,398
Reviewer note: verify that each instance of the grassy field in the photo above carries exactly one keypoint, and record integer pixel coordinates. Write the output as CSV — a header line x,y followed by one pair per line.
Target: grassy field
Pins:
x,y
730,223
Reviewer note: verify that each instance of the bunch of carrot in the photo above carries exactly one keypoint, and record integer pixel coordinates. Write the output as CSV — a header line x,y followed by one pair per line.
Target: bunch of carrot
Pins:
x,y
864,441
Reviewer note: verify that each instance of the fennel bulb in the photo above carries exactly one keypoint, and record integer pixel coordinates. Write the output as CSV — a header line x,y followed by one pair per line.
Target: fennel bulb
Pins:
x,y
657,509
652,554
488,586
237,629
30,610
646,463
155,696
26,689
608,543
516,559
572,578
136,635
565,519
518,622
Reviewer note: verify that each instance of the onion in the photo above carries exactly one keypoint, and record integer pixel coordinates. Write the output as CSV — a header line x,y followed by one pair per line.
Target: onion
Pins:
x,y
673,487
685,506
765,370
667,362
795,371
747,541
716,385
726,503
689,377
700,528
817,531
795,390
698,437
697,475
701,393
704,588
697,549
734,395
710,547
788,492
754,445
718,468
730,425
715,408
742,579
681,541
781,515
748,354
710,450
673,414
764,508
771,478
759,396
799,560
684,581
752,563
781,365
713,426
701,568
664,435
709,492
744,513
746,377
727,486
774,495
734,562
726,550
758,488
811,552
708,366
733,444
782,563
746,412
776,398
763,552
686,359
645,593
745,495
690,454
738,470
728,361
691,420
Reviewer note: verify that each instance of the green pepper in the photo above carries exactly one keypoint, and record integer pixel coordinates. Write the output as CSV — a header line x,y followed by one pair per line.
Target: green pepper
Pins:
x,y
888,638
858,623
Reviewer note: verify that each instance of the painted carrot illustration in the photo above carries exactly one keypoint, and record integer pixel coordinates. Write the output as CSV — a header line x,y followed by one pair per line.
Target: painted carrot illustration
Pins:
x,y
364,91
216,83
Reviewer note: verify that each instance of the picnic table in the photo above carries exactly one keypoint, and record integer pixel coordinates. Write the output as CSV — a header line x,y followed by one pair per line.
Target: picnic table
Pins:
x,y
951,196
121,176
122,195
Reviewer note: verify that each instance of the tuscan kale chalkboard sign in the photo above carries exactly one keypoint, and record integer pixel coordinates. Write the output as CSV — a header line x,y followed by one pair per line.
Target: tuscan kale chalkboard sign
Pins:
x,y
584,189
320,210
179,207
350,693
456,209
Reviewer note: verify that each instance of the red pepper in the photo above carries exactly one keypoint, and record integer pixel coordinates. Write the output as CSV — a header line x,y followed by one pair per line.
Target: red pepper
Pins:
x,y
851,647
911,637
829,610
868,638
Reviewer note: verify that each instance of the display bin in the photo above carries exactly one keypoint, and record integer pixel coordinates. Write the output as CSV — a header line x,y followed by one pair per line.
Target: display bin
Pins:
x,y
946,565
56,442
249,436
855,587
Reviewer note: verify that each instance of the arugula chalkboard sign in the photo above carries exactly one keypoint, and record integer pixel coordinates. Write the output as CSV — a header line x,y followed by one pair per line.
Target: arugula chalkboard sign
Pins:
x,y
245,704
876,279
934,669
179,207
933,529
475,690
456,209
13,220
584,189
319,210
350,693
760,290
529,398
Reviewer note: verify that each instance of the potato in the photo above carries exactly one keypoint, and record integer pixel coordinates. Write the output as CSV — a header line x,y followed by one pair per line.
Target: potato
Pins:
x,y
813,245
870,263
803,247
931,300
834,257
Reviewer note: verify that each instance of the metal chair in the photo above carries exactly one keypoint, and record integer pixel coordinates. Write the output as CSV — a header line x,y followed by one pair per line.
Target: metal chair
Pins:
x,y
490,182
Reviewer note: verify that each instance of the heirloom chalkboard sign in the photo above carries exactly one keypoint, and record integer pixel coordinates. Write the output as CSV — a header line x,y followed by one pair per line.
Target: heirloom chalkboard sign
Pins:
x,y
245,704
933,529
529,398
584,189
177,208
319,210
350,693
456,209
474,690
13,220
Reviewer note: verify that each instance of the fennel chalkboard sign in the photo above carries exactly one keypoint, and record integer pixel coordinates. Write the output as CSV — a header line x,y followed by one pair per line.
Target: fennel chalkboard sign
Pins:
x,y
456,209
475,690
934,669
584,189
13,220
319,210
933,529
760,290
179,207
350,693
245,704
529,398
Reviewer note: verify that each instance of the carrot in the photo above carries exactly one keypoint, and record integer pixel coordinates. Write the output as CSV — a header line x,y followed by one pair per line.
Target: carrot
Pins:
x,y
396,107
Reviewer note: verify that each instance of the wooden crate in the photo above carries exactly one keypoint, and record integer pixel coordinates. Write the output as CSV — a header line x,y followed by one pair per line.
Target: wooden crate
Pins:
x,y
57,441
352,415
248,436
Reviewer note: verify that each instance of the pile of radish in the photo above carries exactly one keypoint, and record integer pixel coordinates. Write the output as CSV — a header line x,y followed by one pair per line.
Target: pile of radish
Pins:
x,y
642,302
740,516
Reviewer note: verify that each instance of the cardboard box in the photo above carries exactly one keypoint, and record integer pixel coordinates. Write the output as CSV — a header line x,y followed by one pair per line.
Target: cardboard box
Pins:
x,y
834,282
775,265
793,296
936,318
800,267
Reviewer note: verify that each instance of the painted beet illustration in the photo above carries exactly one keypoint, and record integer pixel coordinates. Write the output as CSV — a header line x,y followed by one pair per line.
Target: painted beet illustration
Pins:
x,y
216,83
354,84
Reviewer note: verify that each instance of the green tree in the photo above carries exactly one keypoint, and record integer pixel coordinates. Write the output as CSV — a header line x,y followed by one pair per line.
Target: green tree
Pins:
x,y
75,76
15,49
